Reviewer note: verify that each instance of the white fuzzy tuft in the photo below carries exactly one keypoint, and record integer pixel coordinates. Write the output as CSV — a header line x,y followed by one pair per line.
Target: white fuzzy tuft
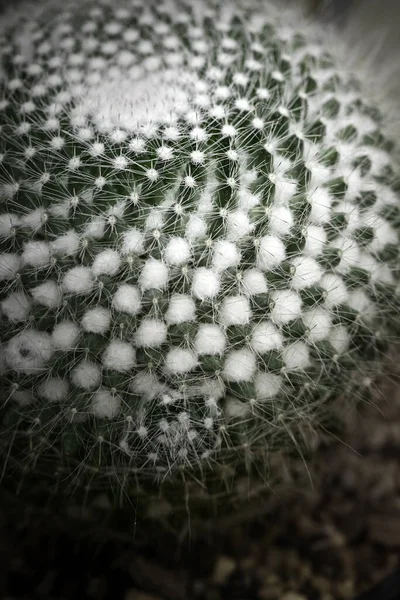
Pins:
x,y
372,266
154,275
280,220
66,244
107,262
22,397
53,389
47,294
151,333
165,153
7,222
86,375
254,282
65,335
154,220
180,360
213,389
265,337
177,251
205,284
36,254
78,280
359,301
16,307
267,385
271,253
349,251
247,200
33,220
137,145
96,320
235,310
307,272
105,405
29,351
296,356
205,204
95,228
196,228
197,157
228,130
320,201
287,306
119,356
9,266
351,213
147,385
315,240
181,309
132,241
97,149
61,210
240,365
285,188
127,299
339,338
235,409
210,339
238,226
225,255
318,322
384,233
335,289
120,162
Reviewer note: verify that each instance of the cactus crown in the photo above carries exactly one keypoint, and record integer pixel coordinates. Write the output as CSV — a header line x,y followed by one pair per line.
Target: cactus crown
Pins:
x,y
198,240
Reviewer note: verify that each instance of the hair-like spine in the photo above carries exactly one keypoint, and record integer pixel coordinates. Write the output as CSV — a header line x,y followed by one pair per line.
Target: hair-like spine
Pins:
x,y
199,237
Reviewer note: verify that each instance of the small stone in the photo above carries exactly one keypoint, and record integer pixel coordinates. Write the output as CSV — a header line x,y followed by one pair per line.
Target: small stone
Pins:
x,y
223,569
272,579
270,593
322,583
345,589
150,575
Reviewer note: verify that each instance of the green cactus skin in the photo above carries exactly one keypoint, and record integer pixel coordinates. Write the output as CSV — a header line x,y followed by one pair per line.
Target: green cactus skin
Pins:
x,y
198,246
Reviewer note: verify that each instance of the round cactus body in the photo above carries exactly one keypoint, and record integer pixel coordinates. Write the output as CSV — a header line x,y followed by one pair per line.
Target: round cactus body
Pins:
x,y
198,243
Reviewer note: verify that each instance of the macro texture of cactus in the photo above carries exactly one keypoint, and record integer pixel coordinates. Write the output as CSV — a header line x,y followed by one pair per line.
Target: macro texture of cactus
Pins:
x,y
198,243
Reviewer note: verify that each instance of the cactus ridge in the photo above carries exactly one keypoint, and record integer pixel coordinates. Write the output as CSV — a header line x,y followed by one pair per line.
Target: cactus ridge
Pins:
x,y
199,228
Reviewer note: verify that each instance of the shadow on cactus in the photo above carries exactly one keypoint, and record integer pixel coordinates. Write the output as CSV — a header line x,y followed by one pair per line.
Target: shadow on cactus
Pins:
x,y
198,249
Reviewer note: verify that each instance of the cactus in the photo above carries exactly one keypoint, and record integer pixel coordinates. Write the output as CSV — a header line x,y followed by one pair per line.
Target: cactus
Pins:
x,y
198,245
